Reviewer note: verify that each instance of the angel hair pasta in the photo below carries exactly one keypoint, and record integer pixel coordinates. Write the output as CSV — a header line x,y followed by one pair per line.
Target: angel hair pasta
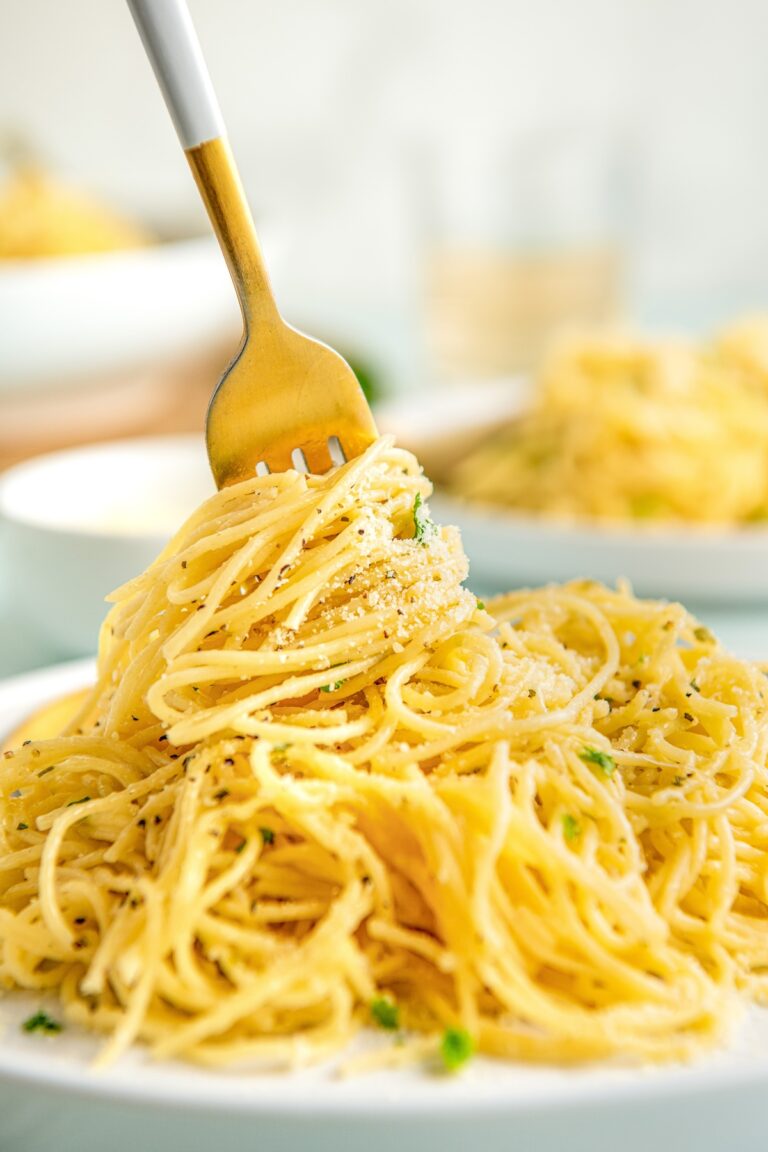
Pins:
x,y
318,787
626,429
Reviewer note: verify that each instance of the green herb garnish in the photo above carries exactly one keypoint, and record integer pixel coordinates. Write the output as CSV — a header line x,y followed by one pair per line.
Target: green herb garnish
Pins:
x,y
22,827
42,1022
332,687
704,635
240,847
82,800
571,827
267,835
366,378
647,505
423,528
386,1013
455,1048
480,606
601,760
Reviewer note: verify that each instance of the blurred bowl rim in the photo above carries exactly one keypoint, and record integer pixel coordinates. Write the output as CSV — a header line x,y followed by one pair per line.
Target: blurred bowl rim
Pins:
x,y
74,321
31,266
13,480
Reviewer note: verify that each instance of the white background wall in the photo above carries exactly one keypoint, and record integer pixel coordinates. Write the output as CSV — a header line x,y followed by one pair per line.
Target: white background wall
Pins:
x,y
332,105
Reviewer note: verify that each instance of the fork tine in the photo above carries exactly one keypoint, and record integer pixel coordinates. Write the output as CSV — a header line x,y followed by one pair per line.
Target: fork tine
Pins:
x,y
299,460
318,458
336,451
278,459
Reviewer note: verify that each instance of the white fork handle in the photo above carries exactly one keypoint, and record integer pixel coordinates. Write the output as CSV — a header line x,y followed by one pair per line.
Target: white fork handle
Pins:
x,y
170,40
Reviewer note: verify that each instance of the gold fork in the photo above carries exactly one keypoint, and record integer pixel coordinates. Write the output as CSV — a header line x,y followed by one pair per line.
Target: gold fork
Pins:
x,y
285,400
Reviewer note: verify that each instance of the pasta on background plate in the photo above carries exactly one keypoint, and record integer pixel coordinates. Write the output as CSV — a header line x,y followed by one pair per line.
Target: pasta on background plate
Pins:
x,y
624,429
43,217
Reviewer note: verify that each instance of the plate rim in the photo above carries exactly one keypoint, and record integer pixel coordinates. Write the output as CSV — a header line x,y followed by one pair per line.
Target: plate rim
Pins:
x,y
631,533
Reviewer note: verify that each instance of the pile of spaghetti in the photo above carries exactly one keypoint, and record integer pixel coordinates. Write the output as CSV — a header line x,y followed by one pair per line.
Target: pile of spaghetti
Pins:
x,y
623,429
40,217
319,786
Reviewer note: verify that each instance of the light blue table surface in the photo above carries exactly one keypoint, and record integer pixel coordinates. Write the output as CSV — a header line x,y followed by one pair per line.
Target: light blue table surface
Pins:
x,y
20,650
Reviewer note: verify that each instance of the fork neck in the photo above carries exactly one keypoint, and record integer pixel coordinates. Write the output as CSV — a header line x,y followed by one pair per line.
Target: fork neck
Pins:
x,y
218,182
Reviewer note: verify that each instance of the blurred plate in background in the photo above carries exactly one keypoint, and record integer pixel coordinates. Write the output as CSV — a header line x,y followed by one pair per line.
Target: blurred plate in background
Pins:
x,y
705,565
439,423
506,549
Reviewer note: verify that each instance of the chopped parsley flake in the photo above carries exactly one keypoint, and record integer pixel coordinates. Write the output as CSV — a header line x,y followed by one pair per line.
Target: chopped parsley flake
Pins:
x,y
480,606
22,827
704,635
334,687
455,1048
601,760
385,1013
423,528
646,505
82,800
571,827
42,1022
267,835
240,847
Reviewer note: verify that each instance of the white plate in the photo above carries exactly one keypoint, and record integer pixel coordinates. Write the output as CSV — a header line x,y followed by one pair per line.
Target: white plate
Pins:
x,y
51,1099
509,550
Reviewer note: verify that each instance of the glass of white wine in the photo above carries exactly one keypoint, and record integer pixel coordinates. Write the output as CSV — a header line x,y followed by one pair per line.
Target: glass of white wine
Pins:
x,y
522,241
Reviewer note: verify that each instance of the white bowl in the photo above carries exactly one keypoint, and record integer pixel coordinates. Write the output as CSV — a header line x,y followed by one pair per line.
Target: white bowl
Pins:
x,y
76,319
77,524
